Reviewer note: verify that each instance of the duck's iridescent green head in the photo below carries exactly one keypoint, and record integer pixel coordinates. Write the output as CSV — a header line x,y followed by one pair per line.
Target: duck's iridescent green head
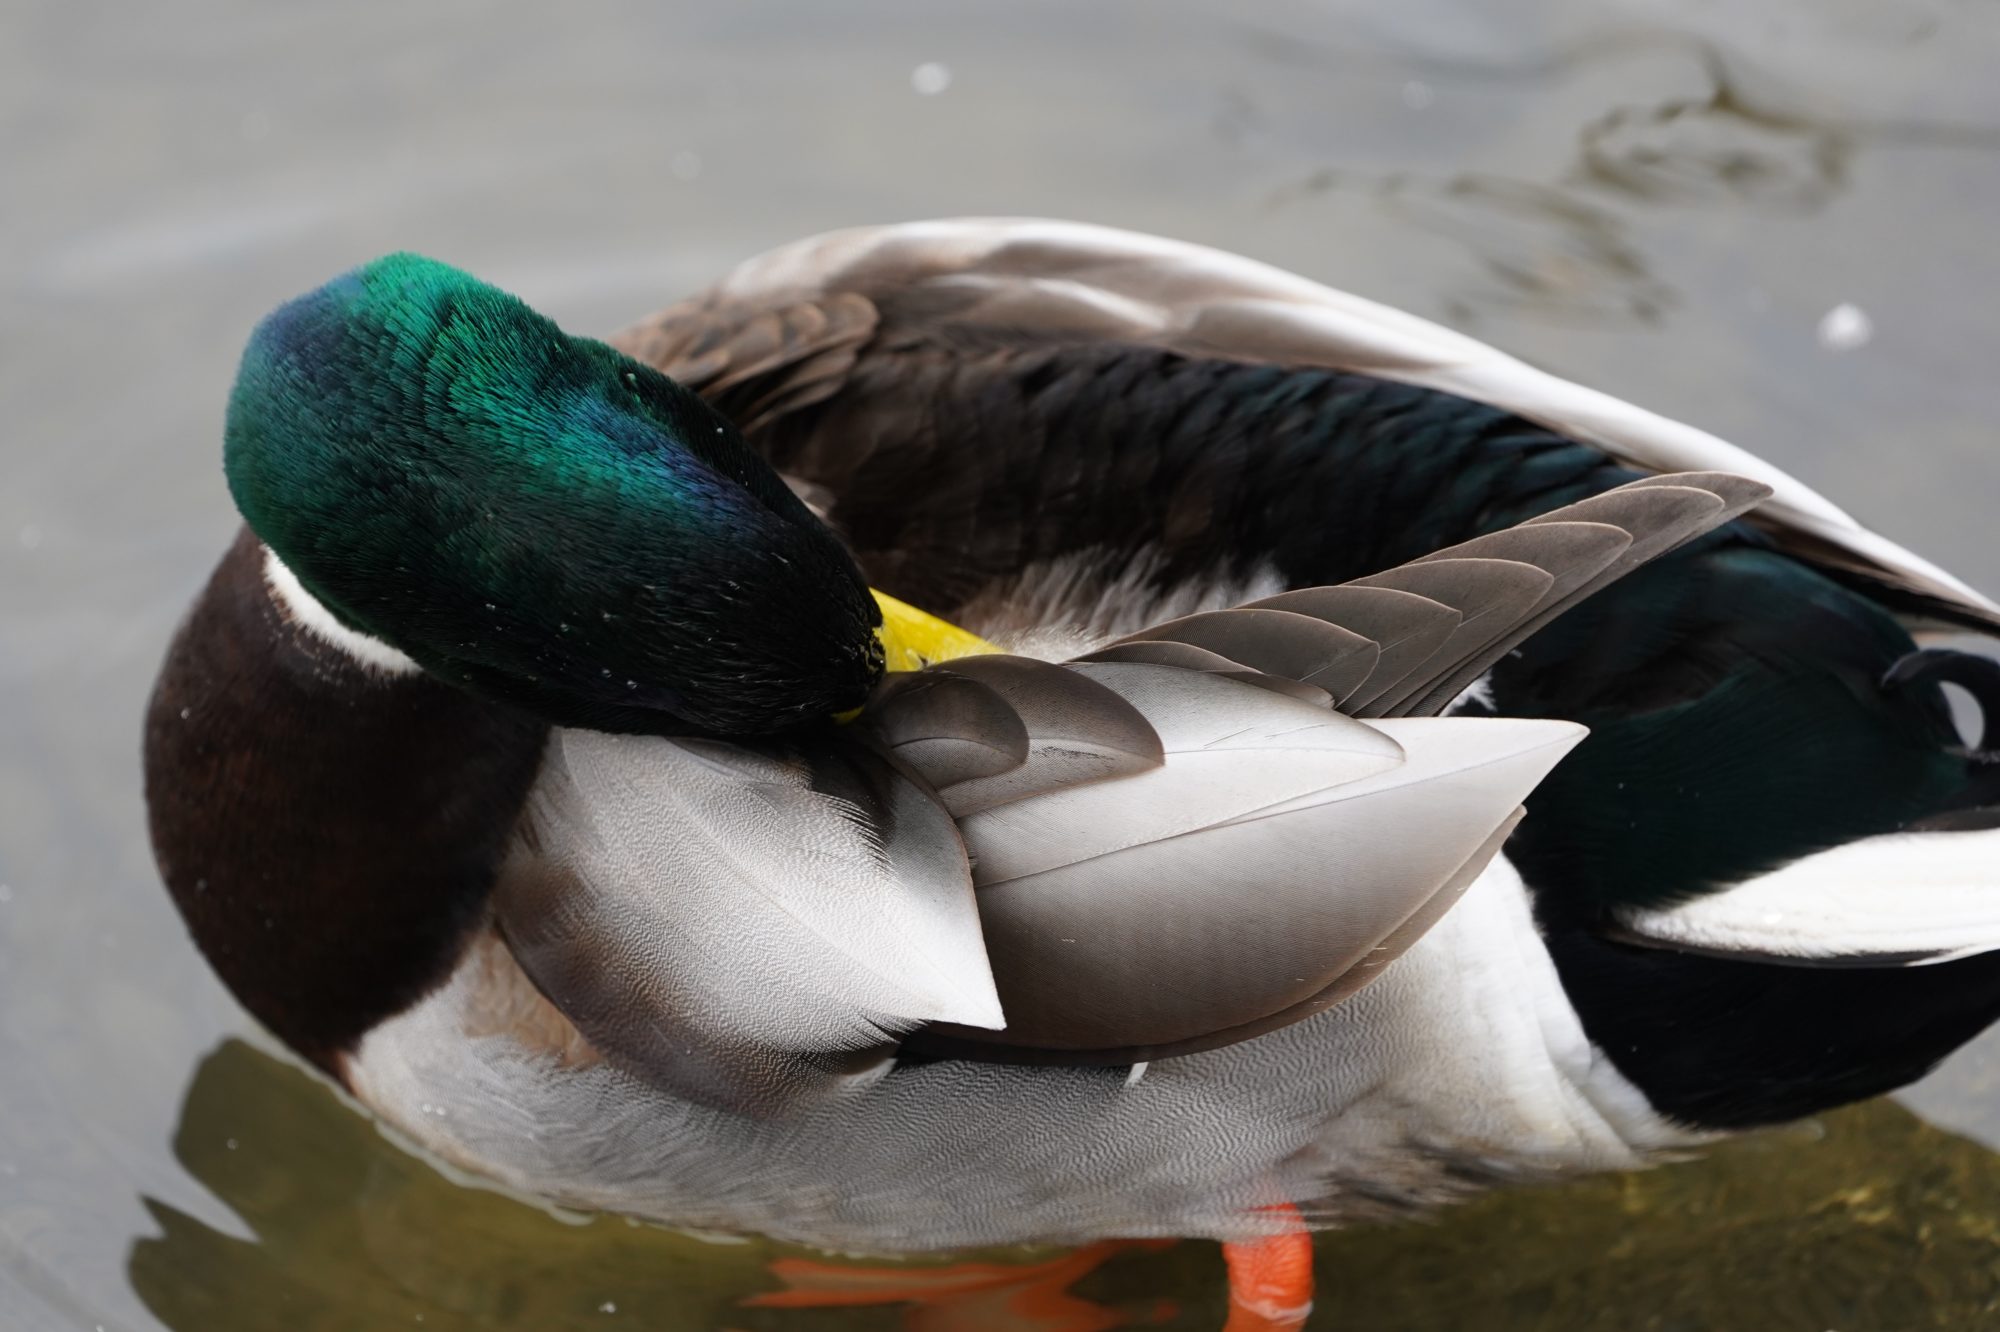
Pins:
x,y
535,516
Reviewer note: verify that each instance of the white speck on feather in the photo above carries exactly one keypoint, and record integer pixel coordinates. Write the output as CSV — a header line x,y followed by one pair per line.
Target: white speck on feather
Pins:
x,y
930,78
1845,327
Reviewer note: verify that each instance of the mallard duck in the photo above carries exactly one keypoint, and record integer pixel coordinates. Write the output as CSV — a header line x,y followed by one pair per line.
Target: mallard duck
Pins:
x,y
533,763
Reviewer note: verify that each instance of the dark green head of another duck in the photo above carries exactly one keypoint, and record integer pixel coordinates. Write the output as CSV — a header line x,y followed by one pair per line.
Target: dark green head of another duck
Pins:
x,y
536,517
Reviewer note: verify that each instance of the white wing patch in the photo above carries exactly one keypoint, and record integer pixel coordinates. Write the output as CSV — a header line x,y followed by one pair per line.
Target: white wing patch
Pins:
x,y
1900,898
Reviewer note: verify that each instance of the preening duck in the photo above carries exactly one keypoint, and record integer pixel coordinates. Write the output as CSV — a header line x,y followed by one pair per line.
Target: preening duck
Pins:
x,y
532,763
1025,424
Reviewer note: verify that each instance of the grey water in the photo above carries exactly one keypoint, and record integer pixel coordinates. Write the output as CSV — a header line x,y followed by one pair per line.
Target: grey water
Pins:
x,y
1774,218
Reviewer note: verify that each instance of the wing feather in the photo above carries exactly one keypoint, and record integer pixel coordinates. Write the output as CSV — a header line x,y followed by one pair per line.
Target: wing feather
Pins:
x,y
1278,642
1029,278
1112,944
733,921
1077,731
1451,614
1165,652
1408,629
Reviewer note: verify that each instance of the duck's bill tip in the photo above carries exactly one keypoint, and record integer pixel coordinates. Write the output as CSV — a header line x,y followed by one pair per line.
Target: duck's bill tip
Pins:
x,y
912,639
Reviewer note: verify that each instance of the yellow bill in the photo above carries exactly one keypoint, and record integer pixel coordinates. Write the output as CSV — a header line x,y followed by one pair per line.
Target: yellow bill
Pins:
x,y
912,640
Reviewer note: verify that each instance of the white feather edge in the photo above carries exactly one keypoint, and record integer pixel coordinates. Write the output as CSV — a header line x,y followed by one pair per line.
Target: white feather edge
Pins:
x,y
1189,283
311,615
1916,898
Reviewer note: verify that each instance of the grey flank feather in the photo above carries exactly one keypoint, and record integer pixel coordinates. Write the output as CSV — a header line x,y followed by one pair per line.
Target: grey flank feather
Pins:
x,y
742,925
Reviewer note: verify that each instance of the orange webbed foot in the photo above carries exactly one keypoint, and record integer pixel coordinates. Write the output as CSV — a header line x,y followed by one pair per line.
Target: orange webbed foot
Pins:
x,y
1270,1288
964,1297
1271,1279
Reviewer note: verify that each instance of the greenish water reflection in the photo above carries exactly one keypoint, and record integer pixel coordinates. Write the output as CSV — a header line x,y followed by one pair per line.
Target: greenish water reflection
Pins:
x,y
1873,1220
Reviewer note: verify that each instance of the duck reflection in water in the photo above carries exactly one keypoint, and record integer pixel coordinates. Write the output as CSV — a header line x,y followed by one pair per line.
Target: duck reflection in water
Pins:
x,y
1877,1221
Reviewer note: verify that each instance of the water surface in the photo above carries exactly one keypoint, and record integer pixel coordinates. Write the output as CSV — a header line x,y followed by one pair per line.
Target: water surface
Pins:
x,y
1667,200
